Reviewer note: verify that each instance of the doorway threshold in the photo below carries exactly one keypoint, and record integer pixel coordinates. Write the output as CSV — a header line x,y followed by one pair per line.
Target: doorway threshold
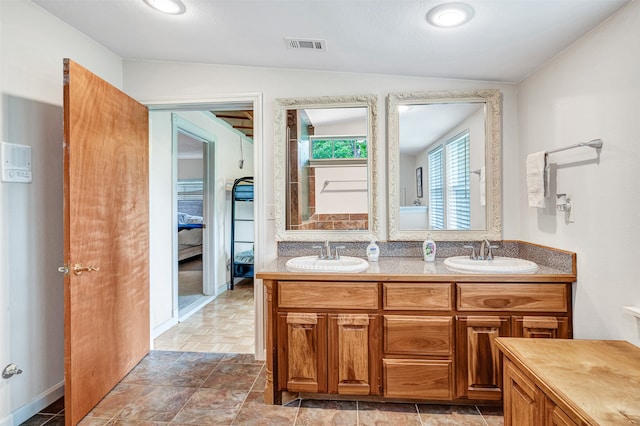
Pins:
x,y
194,307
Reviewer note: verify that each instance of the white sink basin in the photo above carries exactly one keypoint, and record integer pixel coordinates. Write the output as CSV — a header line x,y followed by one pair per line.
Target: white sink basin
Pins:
x,y
313,264
499,265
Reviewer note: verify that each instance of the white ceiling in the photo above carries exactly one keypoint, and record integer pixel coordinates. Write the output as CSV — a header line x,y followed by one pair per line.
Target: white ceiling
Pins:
x,y
506,40
421,125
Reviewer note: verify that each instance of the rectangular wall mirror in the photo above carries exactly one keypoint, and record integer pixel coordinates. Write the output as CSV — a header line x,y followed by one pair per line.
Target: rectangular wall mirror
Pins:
x,y
325,167
444,165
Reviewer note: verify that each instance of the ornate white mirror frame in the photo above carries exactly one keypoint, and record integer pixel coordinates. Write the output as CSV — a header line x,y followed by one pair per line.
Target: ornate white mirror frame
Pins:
x,y
281,166
493,164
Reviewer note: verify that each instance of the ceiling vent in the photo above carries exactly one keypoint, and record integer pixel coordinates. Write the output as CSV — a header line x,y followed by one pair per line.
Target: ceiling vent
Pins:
x,y
305,44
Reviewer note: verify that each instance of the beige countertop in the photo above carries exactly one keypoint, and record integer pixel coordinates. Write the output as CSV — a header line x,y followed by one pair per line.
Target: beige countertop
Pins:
x,y
410,269
599,380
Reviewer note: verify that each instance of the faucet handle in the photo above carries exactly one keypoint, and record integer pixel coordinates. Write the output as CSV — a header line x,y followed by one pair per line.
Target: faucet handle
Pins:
x,y
473,254
337,253
321,255
490,252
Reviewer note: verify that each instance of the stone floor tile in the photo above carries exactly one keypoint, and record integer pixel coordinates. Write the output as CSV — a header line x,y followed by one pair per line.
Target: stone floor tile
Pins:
x,y
37,420
317,412
116,400
233,376
240,359
255,412
444,415
261,381
55,407
211,407
494,416
186,374
157,403
95,421
391,414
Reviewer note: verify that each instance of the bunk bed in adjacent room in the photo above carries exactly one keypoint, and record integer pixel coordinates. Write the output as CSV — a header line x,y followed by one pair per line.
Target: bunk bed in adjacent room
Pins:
x,y
242,230
190,220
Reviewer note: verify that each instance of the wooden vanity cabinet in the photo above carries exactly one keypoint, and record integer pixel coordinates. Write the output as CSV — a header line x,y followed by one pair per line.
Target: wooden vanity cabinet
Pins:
x,y
523,401
328,352
522,310
428,341
418,341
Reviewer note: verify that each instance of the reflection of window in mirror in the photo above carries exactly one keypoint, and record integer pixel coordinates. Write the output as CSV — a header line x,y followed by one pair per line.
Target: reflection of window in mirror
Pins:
x,y
449,184
455,137
327,176
447,140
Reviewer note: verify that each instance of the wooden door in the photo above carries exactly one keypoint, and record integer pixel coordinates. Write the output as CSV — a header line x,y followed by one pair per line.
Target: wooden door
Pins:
x,y
479,368
354,354
106,238
302,352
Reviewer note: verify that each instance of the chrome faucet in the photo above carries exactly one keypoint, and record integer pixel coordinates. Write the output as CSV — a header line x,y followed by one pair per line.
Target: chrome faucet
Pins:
x,y
486,252
325,251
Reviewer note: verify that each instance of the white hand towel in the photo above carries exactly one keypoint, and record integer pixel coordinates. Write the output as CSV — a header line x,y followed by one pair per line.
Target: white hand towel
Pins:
x,y
537,171
483,187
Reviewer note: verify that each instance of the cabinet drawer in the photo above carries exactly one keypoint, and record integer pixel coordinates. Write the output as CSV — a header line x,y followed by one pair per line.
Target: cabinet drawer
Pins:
x,y
401,296
418,335
512,297
327,295
418,379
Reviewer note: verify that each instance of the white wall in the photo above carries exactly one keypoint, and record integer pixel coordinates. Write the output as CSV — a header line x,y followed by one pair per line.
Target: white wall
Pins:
x,y
190,168
341,197
32,47
356,127
592,90
148,80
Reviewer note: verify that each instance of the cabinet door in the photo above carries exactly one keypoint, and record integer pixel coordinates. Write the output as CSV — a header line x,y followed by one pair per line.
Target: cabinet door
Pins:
x,y
478,361
354,354
523,401
557,417
302,352
540,327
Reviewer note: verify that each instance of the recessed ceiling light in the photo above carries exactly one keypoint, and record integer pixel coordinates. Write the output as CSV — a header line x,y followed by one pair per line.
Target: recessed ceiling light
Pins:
x,y
450,15
172,7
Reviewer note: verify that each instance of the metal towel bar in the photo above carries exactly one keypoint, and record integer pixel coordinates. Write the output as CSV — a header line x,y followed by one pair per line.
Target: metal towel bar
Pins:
x,y
596,143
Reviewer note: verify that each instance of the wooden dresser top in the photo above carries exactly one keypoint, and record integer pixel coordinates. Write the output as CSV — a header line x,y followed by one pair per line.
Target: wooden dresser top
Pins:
x,y
599,380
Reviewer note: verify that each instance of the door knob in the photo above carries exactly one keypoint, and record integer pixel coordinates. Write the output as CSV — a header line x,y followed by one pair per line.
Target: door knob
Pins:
x,y
78,269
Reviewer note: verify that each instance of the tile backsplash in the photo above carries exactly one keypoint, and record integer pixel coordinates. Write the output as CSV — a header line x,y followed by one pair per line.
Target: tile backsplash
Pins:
x,y
547,256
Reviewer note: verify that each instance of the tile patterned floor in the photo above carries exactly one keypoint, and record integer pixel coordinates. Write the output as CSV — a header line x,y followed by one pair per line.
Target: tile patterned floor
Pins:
x,y
197,386
224,325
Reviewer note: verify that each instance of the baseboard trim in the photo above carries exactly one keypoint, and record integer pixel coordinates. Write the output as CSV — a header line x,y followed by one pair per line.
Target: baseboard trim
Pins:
x,y
157,331
41,401
7,421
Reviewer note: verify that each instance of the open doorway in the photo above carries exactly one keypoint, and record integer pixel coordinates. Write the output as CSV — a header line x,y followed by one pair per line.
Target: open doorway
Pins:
x,y
228,162
192,208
